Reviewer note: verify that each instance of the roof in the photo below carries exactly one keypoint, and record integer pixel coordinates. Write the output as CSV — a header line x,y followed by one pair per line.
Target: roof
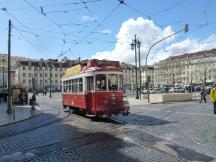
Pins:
x,y
93,65
192,55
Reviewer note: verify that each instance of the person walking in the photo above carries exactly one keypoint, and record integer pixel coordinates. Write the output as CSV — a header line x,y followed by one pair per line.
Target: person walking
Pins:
x,y
203,95
33,100
213,97
26,97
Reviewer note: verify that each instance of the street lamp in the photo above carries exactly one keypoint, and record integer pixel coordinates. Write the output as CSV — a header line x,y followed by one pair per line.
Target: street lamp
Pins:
x,y
50,63
138,46
3,63
185,29
133,47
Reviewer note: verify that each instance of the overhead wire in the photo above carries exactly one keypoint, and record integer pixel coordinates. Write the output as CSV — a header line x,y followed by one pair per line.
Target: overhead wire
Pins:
x,y
140,12
20,33
97,26
41,13
70,3
18,21
63,11
167,9
89,11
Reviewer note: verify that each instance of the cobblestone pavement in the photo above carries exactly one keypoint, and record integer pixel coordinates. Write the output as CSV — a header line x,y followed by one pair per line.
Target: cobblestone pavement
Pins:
x,y
59,136
188,124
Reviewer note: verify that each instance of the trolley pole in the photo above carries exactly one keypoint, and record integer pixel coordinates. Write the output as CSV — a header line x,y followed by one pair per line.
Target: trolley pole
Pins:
x,y
50,79
3,61
9,110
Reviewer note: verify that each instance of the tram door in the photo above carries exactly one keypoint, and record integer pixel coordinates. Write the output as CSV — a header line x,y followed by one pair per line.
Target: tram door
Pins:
x,y
90,94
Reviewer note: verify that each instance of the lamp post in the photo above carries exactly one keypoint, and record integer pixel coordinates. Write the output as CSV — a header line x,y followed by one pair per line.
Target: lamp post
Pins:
x,y
185,29
134,47
50,62
3,63
138,46
9,109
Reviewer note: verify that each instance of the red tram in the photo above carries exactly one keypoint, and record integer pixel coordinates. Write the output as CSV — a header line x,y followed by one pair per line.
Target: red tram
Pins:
x,y
95,88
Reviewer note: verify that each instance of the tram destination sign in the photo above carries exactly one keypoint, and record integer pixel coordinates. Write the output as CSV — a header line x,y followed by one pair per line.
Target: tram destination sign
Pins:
x,y
73,70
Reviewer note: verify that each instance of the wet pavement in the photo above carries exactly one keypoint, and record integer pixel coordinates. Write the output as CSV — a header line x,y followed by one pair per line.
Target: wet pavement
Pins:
x,y
150,133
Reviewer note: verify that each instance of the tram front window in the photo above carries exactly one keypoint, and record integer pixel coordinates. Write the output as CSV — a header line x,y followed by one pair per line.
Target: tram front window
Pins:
x,y
101,82
113,82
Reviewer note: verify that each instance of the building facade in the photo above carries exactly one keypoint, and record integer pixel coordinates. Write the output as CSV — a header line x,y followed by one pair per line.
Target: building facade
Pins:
x,y
42,75
187,69
129,77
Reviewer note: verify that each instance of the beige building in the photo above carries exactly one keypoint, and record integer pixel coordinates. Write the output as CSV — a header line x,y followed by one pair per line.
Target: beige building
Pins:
x,y
14,60
150,74
39,75
186,69
129,76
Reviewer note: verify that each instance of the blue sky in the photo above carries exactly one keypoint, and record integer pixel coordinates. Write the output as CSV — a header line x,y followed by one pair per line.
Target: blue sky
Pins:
x,y
74,30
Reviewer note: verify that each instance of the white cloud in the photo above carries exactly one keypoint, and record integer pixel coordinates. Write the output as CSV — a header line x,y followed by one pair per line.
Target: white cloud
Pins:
x,y
186,46
89,19
148,34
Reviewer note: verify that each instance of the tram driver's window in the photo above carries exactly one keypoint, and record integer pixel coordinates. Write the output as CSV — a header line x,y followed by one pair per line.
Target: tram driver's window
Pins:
x,y
113,82
101,82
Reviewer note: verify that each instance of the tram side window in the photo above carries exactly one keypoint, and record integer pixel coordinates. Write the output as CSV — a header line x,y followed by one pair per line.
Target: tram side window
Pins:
x,y
80,84
120,83
73,85
76,85
70,86
101,82
113,82
64,85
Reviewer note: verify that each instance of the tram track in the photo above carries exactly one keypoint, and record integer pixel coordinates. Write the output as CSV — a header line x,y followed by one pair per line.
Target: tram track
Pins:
x,y
149,145
117,132
113,131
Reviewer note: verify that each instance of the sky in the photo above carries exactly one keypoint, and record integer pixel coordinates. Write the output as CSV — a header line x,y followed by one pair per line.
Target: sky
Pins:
x,y
104,29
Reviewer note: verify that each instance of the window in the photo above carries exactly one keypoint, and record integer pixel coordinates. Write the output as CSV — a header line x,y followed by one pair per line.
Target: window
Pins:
x,y
80,84
101,82
24,74
41,75
90,84
69,86
120,82
29,82
73,85
56,81
29,68
76,85
24,81
56,75
24,67
113,82
29,74
45,74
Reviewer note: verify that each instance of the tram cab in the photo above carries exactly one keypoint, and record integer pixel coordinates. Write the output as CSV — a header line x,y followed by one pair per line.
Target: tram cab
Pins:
x,y
95,88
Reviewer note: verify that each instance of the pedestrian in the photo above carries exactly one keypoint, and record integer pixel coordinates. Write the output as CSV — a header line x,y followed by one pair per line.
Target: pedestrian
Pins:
x,y
213,97
33,101
203,95
26,97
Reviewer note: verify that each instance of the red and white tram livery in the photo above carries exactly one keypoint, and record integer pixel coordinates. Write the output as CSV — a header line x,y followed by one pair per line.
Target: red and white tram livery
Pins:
x,y
95,88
